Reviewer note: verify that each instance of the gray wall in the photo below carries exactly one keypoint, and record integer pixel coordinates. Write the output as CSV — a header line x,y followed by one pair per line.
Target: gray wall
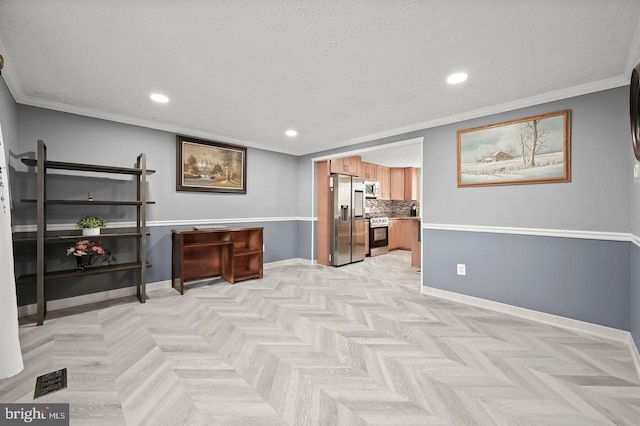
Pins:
x,y
280,244
304,231
280,240
635,252
634,191
581,279
587,280
9,121
279,185
596,199
272,189
272,193
634,297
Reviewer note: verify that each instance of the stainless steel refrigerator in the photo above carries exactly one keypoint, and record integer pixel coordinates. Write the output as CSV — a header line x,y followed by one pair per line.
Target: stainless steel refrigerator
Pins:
x,y
347,222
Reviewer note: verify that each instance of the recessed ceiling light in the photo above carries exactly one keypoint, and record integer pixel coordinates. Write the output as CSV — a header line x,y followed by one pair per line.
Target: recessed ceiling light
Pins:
x,y
159,98
291,133
457,78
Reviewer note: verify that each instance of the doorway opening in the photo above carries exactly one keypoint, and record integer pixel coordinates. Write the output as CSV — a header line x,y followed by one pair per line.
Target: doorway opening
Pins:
x,y
402,263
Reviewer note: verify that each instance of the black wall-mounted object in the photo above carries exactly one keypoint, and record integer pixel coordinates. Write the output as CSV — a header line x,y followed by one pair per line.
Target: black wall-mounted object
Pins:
x,y
634,104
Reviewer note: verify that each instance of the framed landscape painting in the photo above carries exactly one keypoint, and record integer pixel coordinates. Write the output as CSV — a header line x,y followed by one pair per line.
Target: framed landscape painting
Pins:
x,y
207,166
528,150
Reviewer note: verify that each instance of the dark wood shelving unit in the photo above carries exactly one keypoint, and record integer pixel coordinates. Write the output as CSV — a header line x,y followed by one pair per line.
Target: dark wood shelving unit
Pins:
x,y
246,262
87,202
246,251
43,238
87,167
235,254
94,270
17,238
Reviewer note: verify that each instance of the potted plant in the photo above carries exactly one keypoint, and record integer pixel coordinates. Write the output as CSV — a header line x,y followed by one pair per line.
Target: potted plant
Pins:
x,y
91,225
86,253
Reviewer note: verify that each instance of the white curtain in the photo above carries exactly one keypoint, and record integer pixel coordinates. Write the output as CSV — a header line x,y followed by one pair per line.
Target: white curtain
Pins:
x,y
10,355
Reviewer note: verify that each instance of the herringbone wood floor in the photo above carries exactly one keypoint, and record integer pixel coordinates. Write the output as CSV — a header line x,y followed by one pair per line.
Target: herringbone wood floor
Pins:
x,y
310,345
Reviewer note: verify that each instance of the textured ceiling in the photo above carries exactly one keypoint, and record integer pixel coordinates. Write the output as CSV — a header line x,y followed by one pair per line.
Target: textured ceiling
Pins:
x,y
398,154
340,72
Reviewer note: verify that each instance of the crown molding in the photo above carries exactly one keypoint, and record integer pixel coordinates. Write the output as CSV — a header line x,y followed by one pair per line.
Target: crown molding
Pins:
x,y
369,149
166,127
570,92
610,83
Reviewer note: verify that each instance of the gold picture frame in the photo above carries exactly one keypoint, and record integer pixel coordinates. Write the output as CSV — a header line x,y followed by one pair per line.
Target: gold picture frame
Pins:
x,y
208,166
529,150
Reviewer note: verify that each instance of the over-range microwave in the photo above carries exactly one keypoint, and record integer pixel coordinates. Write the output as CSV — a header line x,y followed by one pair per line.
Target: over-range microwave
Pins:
x,y
371,189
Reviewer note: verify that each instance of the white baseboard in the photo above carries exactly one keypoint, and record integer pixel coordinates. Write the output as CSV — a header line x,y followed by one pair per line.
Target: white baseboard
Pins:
x,y
595,329
556,320
286,262
71,302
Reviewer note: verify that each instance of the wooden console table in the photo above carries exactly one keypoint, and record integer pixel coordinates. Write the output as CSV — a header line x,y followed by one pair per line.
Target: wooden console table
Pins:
x,y
235,254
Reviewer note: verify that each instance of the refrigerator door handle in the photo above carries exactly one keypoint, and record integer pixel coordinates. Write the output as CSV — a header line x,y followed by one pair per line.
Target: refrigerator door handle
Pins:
x,y
358,204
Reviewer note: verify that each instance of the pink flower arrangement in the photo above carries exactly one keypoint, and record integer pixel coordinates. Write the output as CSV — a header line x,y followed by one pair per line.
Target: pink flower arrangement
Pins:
x,y
86,248
87,253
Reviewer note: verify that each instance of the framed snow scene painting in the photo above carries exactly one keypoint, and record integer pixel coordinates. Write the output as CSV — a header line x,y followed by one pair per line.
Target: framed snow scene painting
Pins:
x,y
208,166
529,150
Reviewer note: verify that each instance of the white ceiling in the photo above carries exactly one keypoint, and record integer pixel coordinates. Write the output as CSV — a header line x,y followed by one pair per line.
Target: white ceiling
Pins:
x,y
340,72
399,154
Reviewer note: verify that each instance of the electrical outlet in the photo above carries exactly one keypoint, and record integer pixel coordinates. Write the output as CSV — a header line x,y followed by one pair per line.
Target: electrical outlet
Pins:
x,y
462,269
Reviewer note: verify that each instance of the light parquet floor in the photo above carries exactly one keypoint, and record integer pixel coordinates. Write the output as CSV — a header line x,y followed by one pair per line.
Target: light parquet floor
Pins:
x,y
394,266
311,345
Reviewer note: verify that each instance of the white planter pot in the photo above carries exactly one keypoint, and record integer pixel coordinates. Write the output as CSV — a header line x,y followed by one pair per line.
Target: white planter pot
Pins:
x,y
90,231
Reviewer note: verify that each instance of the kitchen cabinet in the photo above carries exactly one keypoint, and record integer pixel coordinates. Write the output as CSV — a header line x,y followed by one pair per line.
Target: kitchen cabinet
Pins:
x,y
366,238
404,234
384,179
411,183
416,250
400,234
323,201
397,183
393,234
346,166
368,171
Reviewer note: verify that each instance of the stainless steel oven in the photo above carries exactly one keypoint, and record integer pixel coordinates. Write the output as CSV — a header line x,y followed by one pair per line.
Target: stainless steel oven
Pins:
x,y
378,235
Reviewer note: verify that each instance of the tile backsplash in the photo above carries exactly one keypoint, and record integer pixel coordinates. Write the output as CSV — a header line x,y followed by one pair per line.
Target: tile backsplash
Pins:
x,y
390,208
